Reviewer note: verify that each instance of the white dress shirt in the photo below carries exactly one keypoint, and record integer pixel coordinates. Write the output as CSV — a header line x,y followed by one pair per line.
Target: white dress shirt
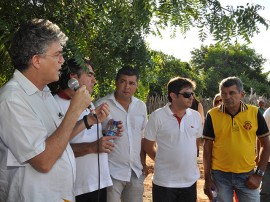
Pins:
x,y
28,118
125,156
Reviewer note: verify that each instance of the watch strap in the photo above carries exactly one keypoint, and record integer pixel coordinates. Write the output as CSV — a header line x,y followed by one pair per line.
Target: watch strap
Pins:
x,y
259,172
87,126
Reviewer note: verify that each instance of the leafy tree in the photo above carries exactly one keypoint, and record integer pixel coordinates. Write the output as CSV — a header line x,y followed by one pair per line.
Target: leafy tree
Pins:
x,y
166,67
216,62
112,32
108,32
210,17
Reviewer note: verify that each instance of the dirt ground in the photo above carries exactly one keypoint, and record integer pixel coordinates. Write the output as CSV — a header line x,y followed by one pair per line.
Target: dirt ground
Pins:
x,y
147,196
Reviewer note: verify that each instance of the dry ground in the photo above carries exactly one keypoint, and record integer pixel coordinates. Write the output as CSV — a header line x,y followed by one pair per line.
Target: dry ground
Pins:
x,y
147,196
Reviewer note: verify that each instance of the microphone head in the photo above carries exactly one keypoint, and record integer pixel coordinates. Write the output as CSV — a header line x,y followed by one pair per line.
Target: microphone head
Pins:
x,y
73,84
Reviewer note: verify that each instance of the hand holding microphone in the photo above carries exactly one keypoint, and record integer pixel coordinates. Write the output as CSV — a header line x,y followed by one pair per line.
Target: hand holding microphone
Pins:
x,y
74,85
101,111
80,101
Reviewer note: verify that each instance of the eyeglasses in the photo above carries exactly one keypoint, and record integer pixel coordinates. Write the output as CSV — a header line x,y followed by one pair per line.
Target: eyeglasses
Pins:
x,y
218,101
56,56
186,94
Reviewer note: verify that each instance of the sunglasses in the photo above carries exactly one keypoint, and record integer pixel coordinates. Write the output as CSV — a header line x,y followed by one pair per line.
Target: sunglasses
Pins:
x,y
186,94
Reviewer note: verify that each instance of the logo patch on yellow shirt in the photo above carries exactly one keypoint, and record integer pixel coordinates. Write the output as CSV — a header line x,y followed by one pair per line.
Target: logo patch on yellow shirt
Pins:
x,y
247,125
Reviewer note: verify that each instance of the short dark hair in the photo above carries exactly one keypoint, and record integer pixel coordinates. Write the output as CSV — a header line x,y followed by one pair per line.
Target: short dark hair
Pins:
x,y
230,81
127,70
33,38
177,84
71,67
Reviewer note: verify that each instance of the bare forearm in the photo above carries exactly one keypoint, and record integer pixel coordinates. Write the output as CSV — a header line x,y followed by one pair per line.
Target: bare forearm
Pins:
x,y
80,126
81,149
207,158
56,143
198,143
84,148
143,153
264,153
150,148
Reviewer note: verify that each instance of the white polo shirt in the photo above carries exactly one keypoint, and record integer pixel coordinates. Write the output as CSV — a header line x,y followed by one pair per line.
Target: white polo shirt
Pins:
x,y
176,156
125,156
28,117
87,166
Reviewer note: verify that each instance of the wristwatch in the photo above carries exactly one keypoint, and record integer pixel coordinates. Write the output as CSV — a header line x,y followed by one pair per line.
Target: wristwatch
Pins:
x,y
259,172
86,123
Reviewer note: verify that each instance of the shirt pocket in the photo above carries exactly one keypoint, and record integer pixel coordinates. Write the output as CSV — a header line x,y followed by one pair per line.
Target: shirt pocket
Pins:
x,y
138,123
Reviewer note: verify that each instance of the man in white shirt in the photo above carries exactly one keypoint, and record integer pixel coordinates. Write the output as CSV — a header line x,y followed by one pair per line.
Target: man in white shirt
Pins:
x,y
36,161
124,161
175,129
92,170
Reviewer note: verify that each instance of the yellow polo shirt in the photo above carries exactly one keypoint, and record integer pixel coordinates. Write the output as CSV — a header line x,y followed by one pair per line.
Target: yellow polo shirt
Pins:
x,y
234,137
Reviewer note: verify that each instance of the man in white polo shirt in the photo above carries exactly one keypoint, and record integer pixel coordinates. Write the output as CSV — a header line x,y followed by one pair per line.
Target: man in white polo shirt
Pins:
x,y
170,140
89,147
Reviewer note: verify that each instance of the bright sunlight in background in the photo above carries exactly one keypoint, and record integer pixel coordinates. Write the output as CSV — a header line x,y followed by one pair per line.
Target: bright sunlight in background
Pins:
x,y
181,46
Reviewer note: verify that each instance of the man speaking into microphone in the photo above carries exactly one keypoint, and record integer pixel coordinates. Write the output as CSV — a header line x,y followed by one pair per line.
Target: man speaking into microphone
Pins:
x,y
37,163
92,171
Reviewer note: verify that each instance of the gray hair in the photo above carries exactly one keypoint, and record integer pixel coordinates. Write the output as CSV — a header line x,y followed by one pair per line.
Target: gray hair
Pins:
x,y
33,38
230,81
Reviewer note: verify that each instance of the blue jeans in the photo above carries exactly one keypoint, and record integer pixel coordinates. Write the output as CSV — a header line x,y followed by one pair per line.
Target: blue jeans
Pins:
x,y
265,188
226,182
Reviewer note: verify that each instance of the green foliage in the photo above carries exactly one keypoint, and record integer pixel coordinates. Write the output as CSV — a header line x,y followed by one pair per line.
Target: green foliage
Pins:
x,y
166,67
217,62
111,33
210,17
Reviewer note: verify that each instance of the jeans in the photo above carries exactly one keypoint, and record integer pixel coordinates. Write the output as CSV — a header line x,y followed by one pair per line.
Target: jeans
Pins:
x,y
168,194
265,187
226,182
126,191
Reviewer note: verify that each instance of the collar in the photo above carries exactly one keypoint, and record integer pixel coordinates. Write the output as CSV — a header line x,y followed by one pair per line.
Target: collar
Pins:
x,y
169,111
28,86
243,107
112,97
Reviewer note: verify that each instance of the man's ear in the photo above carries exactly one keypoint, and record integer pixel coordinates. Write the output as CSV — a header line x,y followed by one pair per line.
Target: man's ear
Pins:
x,y
173,95
35,61
243,93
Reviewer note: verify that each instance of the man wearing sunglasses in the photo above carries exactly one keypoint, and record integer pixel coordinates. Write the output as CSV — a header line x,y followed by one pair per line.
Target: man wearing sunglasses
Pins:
x,y
175,128
230,134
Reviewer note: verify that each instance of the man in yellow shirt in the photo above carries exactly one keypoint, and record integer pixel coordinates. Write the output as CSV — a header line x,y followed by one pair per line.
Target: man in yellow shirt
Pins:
x,y
230,134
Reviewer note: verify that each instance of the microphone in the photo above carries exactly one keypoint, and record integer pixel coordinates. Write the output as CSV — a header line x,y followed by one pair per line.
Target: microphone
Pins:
x,y
74,85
